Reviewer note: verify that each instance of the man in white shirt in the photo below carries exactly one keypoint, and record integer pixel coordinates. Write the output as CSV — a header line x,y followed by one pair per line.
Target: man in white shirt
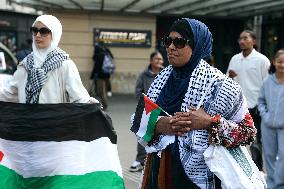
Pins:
x,y
249,68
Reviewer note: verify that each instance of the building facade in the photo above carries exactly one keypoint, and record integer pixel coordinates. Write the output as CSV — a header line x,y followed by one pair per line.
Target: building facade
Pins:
x,y
78,41
82,29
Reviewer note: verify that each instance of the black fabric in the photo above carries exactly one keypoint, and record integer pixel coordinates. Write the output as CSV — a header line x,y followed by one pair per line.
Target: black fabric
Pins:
x,y
180,179
256,147
217,182
152,179
54,122
257,121
256,155
98,59
172,94
138,114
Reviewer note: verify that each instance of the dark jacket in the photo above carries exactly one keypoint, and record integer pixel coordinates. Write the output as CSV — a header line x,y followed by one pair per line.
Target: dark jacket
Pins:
x,y
98,59
144,82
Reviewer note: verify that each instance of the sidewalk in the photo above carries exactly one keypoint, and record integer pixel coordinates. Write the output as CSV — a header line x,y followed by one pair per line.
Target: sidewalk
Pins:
x,y
120,108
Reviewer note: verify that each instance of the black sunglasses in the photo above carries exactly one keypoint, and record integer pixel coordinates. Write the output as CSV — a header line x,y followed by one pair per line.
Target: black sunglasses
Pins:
x,y
43,31
178,42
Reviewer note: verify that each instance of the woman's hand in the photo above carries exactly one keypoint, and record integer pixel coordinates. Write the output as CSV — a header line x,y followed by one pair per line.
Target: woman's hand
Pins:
x,y
165,126
194,119
183,122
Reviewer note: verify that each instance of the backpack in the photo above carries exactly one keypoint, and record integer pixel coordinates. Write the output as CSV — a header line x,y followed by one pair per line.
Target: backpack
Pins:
x,y
108,66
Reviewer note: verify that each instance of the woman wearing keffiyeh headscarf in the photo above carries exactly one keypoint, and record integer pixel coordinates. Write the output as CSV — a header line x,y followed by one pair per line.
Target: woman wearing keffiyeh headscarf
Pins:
x,y
47,75
205,107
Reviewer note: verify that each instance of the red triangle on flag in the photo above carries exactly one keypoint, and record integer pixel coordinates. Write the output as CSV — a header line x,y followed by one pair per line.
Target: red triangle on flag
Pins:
x,y
149,105
1,155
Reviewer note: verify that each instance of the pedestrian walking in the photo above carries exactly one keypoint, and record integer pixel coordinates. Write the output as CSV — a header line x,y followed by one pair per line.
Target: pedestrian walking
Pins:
x,y
101,75
249,68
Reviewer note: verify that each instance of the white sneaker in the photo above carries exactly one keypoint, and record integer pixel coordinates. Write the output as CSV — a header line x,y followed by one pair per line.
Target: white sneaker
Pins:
x,y
136,166
109,94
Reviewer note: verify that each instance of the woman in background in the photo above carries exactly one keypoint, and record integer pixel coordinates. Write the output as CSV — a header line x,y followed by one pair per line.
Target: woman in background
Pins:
x,y
271,108
47,75
143,83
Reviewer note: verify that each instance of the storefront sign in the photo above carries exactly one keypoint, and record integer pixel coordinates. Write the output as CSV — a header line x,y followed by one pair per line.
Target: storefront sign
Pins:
x,y
123,38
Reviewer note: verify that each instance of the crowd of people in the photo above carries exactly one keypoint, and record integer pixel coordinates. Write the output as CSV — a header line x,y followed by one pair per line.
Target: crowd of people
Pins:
x,y
203,106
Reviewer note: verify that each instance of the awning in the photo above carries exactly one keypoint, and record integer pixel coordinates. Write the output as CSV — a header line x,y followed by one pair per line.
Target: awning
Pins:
x,y
200,8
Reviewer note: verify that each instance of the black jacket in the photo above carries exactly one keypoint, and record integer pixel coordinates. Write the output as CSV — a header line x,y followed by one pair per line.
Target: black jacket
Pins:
x,y
98,59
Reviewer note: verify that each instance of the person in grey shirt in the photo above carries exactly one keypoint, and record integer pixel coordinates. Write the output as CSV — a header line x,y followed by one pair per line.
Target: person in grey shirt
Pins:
x,y
143,83
271,108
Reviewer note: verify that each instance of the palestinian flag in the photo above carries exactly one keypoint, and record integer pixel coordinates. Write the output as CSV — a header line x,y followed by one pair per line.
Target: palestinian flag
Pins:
x,y
57,146
146,116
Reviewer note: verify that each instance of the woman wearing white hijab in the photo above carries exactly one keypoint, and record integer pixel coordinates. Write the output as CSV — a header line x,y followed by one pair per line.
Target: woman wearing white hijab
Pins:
x,y
47,75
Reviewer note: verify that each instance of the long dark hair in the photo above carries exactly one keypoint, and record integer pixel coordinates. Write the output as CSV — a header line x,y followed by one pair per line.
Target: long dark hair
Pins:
x,y
277,54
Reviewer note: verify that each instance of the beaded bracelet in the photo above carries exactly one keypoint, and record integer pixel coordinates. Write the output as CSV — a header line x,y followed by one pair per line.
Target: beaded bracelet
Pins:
x,y
215,121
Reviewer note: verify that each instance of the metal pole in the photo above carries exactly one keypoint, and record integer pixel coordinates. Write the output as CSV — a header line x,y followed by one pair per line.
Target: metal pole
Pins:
x,y
257,28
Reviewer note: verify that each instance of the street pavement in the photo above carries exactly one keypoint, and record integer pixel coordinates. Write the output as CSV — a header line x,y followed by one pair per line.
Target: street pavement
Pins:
x,y
120,109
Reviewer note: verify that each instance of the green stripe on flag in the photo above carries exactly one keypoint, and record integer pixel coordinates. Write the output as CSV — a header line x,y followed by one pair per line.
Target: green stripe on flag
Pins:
x,y
9,179
151,124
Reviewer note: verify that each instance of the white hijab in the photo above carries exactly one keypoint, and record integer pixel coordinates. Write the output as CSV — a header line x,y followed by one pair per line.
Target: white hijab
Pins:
x,y
52,23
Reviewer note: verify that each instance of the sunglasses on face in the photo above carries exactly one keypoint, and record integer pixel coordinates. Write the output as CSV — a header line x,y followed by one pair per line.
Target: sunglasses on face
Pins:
x,y
178,42
43,31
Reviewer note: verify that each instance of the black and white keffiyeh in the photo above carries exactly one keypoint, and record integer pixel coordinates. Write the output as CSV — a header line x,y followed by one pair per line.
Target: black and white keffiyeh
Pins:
x,y
222,96
38,76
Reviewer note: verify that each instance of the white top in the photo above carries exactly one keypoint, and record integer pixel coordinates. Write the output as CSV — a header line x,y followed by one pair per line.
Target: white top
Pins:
x,y
251,71
4,79
52,91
